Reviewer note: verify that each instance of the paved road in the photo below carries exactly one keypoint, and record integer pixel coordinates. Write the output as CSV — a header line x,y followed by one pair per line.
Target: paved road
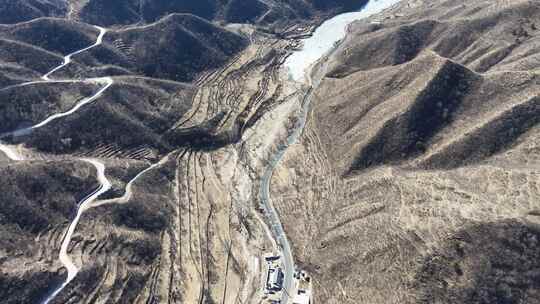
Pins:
x,y
72,270
107,81
277,228
128,191
104,186
273,216
67,59
268,206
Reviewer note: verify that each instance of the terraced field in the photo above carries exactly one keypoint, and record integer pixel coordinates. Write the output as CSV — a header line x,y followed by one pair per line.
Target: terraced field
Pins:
x,y
178,223
159,158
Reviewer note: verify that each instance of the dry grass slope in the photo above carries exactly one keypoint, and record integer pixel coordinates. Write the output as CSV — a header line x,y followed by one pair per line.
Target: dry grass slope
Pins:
x,y
416,178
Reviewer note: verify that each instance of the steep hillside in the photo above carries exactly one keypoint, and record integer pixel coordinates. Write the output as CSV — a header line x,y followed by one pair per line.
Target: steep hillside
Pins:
x,y
22,106
442,94
52,34
177,47
129,12
495,258
31,49
37,199
430,111
174,152
13,11
21,61
415,180
132,115
228,11
187,46
484,36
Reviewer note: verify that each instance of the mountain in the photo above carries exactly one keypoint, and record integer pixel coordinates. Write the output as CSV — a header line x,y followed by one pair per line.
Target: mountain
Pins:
x,y
226,11
181,40
24,106
433,113
171,48
129,12
133,114
441,94
501,37
414,181
13,11
171,155
23,219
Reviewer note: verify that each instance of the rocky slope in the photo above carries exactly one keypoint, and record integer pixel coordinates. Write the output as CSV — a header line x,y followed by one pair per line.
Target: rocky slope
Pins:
x,y
172,48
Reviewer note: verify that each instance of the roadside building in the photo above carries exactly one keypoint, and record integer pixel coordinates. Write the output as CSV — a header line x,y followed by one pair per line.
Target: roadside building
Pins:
x,y
274,279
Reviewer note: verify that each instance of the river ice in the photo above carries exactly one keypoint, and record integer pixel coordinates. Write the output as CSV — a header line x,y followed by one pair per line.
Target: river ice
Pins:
x,y
325,36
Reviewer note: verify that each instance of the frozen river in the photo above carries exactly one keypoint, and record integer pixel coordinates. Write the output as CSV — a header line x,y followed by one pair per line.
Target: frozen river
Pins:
x,y
326,35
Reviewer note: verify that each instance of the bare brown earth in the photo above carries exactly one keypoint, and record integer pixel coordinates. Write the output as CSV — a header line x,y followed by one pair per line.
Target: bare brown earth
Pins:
x,y
416,178
188,232
414,181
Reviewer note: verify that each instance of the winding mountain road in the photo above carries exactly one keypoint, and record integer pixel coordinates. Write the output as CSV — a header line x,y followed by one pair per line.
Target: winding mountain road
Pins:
x,y
128,190
67,59
105,184
107,81
89,201
84,205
